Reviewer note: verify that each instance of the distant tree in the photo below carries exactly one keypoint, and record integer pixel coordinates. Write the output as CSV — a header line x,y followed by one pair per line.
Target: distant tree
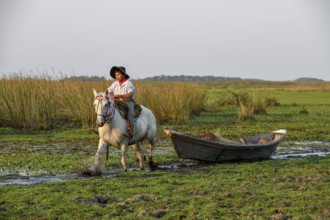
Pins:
x,y
308,79
186,78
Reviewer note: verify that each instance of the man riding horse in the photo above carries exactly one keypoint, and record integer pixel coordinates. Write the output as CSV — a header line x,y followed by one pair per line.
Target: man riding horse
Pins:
x,y
123,89
113,127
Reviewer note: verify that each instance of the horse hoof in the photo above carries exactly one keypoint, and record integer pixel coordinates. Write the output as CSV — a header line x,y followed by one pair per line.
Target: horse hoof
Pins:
x,y
152,166
125,170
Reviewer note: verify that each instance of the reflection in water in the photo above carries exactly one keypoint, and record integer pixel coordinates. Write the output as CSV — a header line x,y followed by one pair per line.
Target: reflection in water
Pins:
x,y
12,179
287,150
301,149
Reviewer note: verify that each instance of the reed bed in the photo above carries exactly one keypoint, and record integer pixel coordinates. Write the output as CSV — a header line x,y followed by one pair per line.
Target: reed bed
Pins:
x,y
27,102
250,104
271,85
42,103
308,86
172,102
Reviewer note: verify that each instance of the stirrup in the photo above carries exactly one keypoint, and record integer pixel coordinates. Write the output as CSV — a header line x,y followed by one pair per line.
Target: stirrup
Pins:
x,y
128,134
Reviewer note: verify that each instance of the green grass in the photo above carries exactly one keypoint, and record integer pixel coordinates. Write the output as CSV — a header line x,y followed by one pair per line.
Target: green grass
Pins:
x,y
297,189
315,125
12,135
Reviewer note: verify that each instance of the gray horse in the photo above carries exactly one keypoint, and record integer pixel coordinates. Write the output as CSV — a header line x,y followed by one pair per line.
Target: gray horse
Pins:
x,y
112,128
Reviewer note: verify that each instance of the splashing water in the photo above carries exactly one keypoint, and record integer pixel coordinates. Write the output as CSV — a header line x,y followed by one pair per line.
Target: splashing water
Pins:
x,y
95,169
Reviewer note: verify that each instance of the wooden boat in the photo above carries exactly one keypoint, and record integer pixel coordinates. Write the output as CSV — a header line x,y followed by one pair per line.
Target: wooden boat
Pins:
x,y
219,149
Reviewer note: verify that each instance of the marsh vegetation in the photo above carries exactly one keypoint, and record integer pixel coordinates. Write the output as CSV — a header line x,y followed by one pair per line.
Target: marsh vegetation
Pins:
x,y
46,132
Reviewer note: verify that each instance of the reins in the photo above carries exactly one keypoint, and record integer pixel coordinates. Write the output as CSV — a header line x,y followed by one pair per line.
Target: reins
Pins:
x,y
108,115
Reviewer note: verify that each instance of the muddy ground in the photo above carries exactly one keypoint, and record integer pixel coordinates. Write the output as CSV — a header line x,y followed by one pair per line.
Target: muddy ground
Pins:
x,y
287,150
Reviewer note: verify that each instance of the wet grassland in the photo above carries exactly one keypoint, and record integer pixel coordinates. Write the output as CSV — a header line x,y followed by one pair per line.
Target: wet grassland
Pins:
x,y
48,166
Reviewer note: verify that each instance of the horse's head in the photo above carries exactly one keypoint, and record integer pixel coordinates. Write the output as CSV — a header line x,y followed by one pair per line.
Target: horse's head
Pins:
x,y
103,107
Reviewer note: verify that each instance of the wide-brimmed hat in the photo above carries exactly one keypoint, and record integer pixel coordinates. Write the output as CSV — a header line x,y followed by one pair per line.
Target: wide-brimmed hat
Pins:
x,y
120,69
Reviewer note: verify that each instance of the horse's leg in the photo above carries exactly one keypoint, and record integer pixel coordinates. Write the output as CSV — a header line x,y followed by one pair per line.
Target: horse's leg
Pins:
x,y
102,146
123,155
152,144
152,165
139,154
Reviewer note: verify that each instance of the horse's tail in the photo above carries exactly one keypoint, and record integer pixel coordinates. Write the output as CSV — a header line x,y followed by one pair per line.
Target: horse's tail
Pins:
x,y
152,131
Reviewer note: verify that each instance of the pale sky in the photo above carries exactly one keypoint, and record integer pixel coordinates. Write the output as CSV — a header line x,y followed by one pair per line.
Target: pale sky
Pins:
x,y
263,39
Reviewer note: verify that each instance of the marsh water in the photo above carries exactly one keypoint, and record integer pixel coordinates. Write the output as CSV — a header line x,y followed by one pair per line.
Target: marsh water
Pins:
x,y
287,150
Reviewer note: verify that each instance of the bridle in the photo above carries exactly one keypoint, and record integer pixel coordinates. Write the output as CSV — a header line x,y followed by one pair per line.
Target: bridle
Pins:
x,y
107,116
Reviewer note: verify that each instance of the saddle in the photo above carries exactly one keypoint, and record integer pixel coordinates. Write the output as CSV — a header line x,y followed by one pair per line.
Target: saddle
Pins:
x,y
122,107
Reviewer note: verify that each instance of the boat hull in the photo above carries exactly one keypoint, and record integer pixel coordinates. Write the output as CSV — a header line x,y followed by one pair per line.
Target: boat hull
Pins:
x,y
189,147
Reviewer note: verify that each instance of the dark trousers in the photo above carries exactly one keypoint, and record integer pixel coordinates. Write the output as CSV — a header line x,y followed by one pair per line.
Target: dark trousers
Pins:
x,y
131,113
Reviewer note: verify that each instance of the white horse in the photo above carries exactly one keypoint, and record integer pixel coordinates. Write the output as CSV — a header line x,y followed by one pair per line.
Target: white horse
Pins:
x,y
112,128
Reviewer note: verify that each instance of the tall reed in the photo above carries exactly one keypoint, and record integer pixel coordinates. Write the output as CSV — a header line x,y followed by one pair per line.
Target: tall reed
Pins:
x,y
171,101
250,104
42,103
25,102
